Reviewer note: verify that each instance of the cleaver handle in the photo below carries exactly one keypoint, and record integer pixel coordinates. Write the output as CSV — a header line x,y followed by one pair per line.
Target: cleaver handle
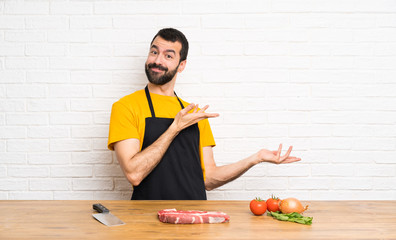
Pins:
x,y
100,208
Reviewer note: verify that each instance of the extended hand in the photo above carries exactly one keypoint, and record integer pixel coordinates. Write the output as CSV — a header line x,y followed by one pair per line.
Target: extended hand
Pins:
x,y
185,119
275,157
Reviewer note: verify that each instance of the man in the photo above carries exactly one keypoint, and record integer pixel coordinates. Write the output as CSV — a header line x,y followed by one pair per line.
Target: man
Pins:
x,y
164,144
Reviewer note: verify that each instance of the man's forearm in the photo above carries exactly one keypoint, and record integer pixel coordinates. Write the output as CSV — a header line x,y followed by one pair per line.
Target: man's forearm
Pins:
x,y
218,176
137,165
142,163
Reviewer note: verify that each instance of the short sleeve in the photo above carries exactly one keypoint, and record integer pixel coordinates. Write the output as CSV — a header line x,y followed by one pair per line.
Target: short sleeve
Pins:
x,y
206,138
122,125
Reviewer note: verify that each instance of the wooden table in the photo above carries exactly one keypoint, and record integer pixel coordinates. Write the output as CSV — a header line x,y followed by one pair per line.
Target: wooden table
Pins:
x,y
73,220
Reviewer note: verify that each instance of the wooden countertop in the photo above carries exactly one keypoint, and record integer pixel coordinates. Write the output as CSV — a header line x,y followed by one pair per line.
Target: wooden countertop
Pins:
x,y
73,220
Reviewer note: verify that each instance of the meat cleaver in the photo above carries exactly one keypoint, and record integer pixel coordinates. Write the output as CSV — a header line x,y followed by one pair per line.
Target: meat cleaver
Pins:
x,y
104,216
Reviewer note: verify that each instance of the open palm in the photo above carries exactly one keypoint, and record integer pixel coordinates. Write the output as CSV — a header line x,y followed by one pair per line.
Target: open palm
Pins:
x,y
275,157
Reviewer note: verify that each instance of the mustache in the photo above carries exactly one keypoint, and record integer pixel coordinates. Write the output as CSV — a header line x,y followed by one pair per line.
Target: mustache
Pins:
x,y
154,65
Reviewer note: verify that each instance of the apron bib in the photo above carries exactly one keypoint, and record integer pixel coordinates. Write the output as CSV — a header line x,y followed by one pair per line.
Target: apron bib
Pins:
x,y
178,176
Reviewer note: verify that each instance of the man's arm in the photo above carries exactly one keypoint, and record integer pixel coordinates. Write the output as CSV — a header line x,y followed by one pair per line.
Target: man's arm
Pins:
x,y
218,176
137,165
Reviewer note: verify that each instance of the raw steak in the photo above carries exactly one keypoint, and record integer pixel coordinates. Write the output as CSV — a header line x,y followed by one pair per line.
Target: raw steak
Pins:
x,y
183,217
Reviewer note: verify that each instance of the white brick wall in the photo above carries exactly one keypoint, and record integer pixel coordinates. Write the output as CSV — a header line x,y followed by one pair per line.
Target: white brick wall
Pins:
x,y
318,75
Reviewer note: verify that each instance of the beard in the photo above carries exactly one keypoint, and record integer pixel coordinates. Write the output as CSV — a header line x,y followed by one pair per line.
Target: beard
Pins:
x,y
159,78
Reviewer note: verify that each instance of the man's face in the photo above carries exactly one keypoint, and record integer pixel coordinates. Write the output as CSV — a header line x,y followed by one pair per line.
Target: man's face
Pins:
x,y
163,61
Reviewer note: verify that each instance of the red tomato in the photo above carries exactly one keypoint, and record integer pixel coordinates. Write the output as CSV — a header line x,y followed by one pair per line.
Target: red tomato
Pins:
x,y
273,204
258,206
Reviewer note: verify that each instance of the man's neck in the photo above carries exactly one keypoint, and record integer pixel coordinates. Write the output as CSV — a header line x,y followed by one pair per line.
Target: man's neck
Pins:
x,y
166,89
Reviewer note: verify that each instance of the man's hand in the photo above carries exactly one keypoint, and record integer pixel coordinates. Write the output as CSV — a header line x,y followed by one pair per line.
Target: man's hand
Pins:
x,y
217,176
265,155
185,119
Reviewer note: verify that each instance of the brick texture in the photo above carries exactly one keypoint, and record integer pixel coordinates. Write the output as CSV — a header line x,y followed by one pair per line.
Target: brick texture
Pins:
x,y
318,75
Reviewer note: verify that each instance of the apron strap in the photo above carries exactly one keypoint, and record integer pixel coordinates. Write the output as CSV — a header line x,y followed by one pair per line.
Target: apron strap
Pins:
x,y
181,104
151,103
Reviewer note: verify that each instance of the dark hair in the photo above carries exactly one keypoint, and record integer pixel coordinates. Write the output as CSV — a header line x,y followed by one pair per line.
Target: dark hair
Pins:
x,y
174,35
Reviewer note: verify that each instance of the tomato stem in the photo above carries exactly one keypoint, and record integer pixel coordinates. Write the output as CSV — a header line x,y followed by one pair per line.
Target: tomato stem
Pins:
x,y
273,197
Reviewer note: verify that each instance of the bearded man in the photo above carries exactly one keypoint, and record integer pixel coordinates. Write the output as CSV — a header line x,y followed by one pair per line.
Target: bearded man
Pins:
x,y
163,143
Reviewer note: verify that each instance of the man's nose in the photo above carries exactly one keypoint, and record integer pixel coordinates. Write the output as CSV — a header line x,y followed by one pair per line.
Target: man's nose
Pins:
x,y
158,59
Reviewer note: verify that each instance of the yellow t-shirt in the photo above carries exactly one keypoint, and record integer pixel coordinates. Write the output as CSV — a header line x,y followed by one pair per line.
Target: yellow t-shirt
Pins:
x,y
129,113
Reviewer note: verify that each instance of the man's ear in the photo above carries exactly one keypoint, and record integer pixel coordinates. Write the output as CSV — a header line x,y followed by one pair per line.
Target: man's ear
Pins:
x,y
182,65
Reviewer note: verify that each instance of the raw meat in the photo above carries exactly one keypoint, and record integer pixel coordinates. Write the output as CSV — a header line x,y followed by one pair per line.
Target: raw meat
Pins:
x,y
188,217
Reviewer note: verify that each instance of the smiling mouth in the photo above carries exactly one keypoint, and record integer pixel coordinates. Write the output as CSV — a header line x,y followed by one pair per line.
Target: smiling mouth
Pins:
x,y
156,70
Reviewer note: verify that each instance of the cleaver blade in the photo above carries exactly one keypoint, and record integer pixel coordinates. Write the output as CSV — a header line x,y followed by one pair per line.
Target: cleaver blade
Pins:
x,y
104,216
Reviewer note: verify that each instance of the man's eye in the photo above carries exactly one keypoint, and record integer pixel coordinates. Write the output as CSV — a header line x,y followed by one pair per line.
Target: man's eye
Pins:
x,y
153,52
169,56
